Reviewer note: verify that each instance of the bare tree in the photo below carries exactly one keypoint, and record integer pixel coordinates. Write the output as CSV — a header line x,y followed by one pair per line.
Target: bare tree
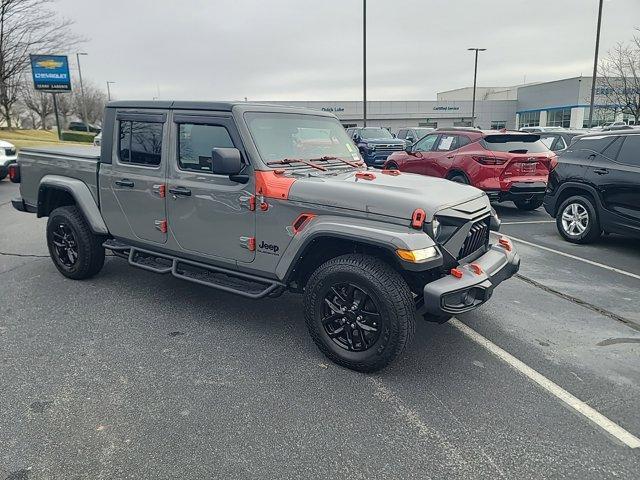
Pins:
x,y
619,80
39,104
95,100
27,26
65,108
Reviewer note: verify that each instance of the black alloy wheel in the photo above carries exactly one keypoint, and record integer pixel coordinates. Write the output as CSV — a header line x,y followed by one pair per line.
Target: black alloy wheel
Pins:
x,y
351,318
65,246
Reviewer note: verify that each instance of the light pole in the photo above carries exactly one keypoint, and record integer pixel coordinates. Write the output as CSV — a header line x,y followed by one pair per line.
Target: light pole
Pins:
x,y
364,62
84,103
595,66
475,76
109,90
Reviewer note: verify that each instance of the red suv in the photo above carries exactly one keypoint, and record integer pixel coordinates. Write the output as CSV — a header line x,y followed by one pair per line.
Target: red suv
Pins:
x,y
507,165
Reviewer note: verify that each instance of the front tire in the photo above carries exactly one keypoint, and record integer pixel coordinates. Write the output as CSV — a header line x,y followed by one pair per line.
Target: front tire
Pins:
x,y
75,250
359,312
530,204
577,220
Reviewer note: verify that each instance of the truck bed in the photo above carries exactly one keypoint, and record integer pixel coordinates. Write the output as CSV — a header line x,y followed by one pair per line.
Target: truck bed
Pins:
x,y
80,162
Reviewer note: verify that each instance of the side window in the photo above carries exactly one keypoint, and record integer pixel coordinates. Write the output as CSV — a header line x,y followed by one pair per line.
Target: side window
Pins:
x,y
447,142
462,141
547,140
630,151
140,143
426,144
402,133
195,143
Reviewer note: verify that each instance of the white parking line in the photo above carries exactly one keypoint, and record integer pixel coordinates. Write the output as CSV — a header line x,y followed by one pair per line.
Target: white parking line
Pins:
x,y
590,262
528,222
578,405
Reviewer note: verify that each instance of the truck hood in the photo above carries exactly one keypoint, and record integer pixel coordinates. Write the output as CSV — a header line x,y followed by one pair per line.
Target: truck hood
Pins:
x,y
384,194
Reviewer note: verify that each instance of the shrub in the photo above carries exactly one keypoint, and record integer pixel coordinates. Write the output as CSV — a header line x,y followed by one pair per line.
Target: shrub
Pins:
x,y
86,137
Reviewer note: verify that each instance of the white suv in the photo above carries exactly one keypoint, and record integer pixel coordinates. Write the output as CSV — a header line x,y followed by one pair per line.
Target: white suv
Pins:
x,y
8,156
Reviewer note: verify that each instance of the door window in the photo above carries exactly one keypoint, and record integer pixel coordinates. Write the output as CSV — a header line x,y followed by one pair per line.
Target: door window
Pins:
x,y
630,151
140,143
447,143
195,143
426,144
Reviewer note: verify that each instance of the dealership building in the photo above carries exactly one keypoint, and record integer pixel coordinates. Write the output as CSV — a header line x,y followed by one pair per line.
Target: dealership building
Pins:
x,y
563,103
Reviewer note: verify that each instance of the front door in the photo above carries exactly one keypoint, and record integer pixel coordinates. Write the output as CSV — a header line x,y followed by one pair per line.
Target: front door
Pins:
x,y
421,150
133,204
208,213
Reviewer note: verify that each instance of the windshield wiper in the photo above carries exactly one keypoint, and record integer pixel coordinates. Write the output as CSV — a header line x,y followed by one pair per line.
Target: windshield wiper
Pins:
x,y
327,158
289,161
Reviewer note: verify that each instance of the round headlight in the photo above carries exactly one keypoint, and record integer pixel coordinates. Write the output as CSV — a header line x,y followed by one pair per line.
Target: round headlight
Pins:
x,y
435,227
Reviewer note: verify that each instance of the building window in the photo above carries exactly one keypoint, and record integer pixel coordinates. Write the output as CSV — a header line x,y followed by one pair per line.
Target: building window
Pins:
x,y
529,119
559,118
498,125
462,123
140,143
428,123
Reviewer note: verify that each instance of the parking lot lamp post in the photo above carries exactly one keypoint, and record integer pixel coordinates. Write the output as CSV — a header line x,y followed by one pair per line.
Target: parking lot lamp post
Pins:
x,y
84,103
595,66
364,62
109,90
475,75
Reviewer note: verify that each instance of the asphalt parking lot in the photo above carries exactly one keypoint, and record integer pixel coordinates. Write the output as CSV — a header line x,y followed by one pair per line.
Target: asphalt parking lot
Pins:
x,y
135,375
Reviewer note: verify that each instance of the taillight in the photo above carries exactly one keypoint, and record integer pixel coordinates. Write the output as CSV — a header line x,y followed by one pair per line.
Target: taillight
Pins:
x,y
484,160
14,173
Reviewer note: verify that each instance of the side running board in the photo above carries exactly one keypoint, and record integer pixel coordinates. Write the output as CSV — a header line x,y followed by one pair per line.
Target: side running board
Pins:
x,y
231,281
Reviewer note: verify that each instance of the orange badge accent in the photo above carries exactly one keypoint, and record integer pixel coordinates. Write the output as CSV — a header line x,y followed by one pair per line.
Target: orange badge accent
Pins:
x,y
393,173
271,186
365,175
302,221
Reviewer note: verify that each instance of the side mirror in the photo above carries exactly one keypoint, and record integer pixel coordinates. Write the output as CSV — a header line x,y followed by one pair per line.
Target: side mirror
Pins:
x,y
356,138
408,148
227,161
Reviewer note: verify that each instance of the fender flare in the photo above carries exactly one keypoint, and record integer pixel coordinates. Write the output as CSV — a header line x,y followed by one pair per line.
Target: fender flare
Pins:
x,y
579,186
80,193
375,233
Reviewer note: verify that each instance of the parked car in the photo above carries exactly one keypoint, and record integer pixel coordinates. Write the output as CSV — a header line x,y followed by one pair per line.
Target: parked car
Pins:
x,y
97,140
506,165
7,157
375,144
595,187
413,134
557,141
225,195
541,129
82,127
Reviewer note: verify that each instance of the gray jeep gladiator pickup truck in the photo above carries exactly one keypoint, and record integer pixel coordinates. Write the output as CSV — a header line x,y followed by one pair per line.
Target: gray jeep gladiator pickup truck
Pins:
x,y
258,200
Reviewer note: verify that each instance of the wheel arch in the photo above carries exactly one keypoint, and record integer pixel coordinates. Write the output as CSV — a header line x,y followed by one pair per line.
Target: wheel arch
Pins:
x,y
457,171
570,189
55,191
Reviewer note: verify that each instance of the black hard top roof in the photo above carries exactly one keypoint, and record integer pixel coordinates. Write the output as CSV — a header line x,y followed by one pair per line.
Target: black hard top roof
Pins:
x,y
193,105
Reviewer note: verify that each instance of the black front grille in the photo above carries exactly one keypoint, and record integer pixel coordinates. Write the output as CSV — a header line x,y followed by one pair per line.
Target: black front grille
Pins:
x,y
9,152
477,238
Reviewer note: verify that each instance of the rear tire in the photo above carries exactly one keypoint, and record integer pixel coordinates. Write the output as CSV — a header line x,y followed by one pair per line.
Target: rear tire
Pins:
x,y
371,336
391,166
459,178
577,220
529,205
75,250
4,171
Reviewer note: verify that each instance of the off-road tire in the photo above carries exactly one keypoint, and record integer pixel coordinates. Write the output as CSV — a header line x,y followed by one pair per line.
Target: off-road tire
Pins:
x,y
386,287
530,204
4,171
459,178
90,253
593,229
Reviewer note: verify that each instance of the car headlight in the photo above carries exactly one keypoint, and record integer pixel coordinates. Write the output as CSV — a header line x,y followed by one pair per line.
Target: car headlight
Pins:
x,y
417,256
435,227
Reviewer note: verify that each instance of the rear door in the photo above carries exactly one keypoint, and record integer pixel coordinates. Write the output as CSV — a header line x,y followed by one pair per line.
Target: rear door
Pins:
x,y
208,213
618,180
443,155
132,201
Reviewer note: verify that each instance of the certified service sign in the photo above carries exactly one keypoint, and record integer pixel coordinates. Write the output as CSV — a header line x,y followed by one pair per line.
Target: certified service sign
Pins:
x,y
51,73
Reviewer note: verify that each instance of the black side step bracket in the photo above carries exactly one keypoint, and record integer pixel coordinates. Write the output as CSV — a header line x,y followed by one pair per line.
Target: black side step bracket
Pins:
x,y
231,281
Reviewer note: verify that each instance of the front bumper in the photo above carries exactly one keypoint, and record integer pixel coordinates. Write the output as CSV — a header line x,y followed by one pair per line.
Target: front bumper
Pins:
x,y
451,295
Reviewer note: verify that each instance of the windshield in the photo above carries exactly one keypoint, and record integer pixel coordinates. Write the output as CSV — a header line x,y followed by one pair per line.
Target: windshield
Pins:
x,y
281,136
514,143
374,133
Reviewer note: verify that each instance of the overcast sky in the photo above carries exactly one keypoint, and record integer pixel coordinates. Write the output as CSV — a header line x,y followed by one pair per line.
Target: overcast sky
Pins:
x,y
312,49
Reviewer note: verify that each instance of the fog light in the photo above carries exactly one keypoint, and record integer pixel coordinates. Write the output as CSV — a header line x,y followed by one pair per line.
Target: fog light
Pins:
x,y
417,256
